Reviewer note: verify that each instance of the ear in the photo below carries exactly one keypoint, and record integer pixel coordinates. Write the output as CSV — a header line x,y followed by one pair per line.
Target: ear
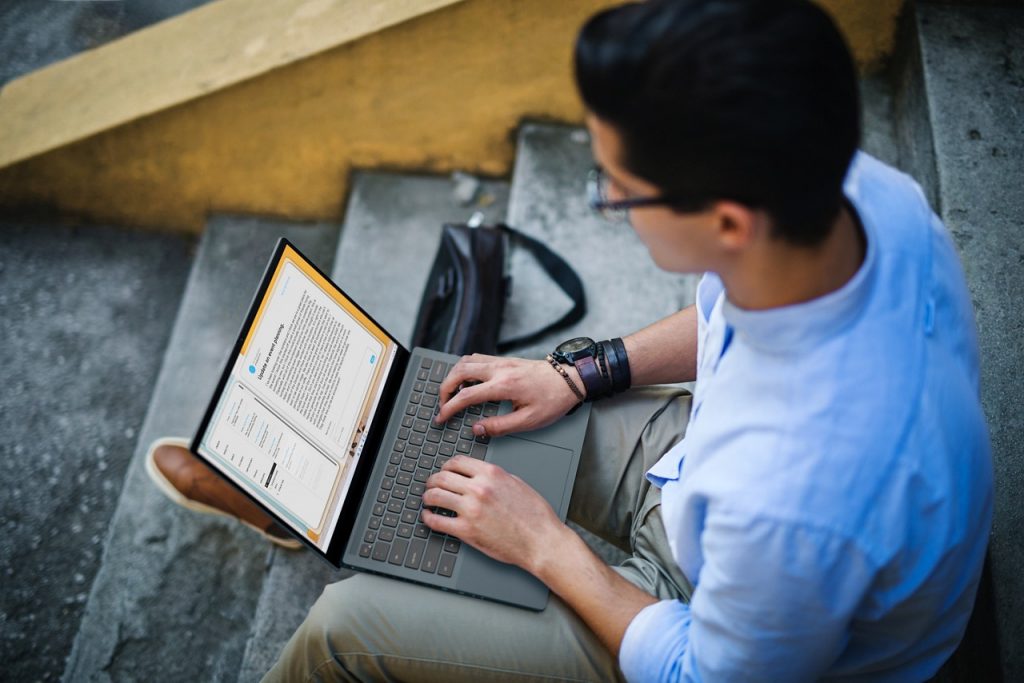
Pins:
x,y
737,225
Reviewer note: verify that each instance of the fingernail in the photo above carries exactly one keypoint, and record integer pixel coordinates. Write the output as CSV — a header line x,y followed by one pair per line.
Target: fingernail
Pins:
x,y
479,430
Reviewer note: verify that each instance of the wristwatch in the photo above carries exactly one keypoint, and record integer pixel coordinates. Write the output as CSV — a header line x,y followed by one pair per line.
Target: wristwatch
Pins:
x,y
582,353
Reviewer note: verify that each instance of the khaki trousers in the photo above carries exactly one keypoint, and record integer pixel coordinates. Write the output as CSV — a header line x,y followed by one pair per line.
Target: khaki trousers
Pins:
x,y
370,628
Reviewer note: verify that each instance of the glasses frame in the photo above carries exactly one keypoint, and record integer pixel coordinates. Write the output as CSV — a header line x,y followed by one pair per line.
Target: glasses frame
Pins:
x,y
617,210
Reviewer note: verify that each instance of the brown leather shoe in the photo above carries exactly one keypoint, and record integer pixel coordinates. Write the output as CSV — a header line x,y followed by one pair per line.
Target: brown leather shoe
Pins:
x,y
189,482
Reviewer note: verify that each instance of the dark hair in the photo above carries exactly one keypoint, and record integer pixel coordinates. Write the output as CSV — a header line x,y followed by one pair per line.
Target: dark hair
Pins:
x,y
754,101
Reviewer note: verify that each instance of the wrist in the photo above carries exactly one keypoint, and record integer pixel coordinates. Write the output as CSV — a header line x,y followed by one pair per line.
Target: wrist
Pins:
x,y
549,553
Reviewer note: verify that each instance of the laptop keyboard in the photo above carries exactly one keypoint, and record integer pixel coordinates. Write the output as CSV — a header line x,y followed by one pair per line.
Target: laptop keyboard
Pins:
x,y
394,534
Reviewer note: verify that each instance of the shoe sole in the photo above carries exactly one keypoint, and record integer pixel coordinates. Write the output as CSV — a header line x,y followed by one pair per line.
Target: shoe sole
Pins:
x,y
167,488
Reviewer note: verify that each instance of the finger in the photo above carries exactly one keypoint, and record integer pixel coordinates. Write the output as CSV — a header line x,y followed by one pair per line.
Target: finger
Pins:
x,y
520,420
442,524
466,466
467,396
442,499
449,481
464,370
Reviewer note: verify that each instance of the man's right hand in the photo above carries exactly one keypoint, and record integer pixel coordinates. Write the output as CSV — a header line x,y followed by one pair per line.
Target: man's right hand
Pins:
x,y
538,392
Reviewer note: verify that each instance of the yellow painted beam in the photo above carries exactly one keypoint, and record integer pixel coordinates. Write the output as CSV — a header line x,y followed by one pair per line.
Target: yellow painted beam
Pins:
x,y
175,61
437,91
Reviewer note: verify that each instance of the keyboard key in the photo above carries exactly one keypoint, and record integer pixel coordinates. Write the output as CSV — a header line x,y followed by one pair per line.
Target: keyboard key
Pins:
x,y
429,401
398,549
426,462
421,426
414,502
380,551
404,432
426,362
423,374
452,545
404,478
416,489
408,465
490,410
421,531
432,553
400,492
395,506
414,398
421,475
418,387
438,372
446,449
416,439
382,496
483,439
378,509
411,409
447,564
433,389
370,536
462,447
410,516
386,534
450,437
424,413
400,446
429,448
391,471
405,530
434,436
416,548
365,550
475,409
395,458
479,451
407,420
390,519
453,423
374,522
467,433
386,484
441,460
471,420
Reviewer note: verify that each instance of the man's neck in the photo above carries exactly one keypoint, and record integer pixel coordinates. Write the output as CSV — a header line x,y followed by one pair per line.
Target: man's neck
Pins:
x,y
781,274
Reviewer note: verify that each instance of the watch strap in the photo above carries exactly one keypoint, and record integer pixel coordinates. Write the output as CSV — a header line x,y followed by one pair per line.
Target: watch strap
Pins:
x,y
590,373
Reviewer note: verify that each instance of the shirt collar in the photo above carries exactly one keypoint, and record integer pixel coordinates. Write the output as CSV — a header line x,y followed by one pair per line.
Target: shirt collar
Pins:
x,y
803,325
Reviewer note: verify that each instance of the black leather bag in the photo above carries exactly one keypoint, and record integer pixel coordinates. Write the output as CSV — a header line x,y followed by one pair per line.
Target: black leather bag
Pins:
x,y
465,295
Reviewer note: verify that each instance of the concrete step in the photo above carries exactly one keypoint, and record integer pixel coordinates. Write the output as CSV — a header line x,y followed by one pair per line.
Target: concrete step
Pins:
x,y
388,239
625,290
175,592
82,310
972,79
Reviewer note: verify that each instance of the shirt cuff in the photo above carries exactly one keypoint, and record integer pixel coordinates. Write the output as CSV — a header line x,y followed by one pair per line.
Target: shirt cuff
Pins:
x,y
655,641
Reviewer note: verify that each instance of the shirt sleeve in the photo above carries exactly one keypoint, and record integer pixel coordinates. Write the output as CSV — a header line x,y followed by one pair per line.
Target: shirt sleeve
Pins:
x,y
773,602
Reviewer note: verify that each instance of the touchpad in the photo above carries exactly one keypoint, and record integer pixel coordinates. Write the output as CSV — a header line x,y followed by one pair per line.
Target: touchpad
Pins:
x,y
543,467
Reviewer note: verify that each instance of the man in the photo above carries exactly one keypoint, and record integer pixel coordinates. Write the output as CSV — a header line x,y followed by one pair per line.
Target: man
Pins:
x,y
827,512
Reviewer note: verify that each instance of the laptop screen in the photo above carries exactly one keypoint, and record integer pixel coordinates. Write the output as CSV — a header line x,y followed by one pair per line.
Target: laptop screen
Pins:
x,y
292,414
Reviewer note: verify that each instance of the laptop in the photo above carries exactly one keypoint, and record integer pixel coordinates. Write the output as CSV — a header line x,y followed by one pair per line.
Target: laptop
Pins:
x,y
325,421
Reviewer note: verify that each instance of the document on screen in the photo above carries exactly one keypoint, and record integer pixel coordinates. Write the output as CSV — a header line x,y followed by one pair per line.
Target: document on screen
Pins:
x,y
290,421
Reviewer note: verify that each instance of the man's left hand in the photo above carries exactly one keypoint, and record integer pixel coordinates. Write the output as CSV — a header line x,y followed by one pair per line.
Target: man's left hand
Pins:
x,y
497,512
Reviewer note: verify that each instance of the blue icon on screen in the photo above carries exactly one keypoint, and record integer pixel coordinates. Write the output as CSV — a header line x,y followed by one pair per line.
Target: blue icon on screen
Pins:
x,y
252,369
372,359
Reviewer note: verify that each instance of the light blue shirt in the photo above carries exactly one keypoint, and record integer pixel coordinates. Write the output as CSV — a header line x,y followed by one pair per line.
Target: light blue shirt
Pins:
x,y
832,498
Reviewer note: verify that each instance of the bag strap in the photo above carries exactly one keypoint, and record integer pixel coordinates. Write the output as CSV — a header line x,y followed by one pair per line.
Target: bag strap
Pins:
x,y
564,276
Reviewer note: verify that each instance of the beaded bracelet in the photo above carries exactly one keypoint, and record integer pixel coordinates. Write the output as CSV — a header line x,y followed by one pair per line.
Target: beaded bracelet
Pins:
x,y
568,380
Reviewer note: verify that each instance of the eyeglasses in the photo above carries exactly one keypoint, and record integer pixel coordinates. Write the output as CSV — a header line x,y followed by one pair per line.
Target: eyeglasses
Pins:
x,y
617,210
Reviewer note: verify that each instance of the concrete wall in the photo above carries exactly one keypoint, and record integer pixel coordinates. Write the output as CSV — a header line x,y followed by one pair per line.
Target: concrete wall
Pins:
x,y
246,125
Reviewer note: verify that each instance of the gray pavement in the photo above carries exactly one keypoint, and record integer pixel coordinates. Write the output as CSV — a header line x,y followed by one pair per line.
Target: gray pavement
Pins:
x,y
973,60
85,315
176,592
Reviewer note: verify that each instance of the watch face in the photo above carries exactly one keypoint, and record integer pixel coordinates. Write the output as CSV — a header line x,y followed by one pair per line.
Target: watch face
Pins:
x,y
575,345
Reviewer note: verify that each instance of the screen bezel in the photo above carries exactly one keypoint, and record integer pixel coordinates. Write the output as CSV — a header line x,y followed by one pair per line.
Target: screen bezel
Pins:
x,y
374,432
